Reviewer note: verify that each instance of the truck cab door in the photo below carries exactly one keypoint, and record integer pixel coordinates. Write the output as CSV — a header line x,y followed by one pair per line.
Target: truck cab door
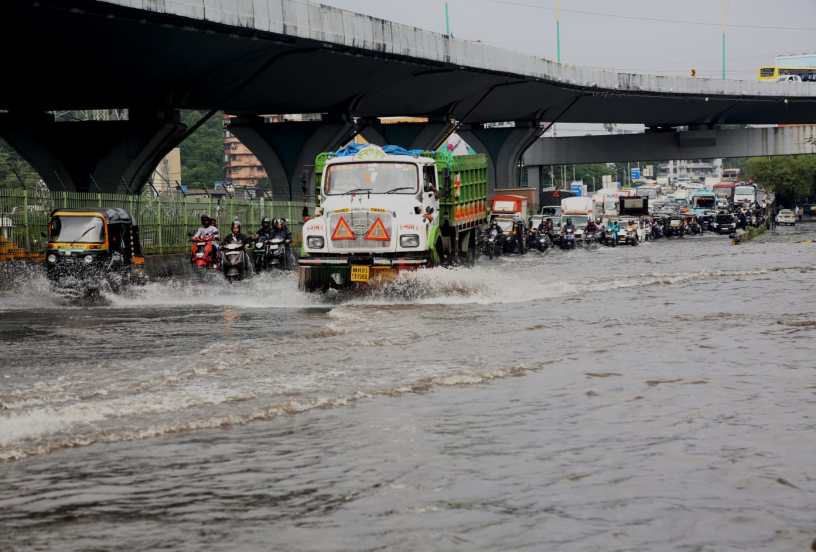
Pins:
x,y
430,191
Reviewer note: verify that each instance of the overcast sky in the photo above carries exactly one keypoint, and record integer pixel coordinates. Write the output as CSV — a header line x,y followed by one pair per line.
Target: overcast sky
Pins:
x,y
649,36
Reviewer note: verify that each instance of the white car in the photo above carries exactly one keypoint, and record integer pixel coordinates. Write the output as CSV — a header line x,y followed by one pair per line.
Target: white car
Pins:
x,y
786,216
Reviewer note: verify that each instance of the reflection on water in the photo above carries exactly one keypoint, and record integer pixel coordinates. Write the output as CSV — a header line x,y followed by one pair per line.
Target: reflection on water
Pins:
x,y
643,398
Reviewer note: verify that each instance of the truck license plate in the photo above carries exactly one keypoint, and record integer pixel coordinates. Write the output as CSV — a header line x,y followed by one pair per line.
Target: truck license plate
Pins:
x,y
360,273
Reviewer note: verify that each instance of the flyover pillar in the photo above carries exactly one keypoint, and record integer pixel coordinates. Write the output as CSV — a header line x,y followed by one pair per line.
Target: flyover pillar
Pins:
x,y
93,156
504,148
288,149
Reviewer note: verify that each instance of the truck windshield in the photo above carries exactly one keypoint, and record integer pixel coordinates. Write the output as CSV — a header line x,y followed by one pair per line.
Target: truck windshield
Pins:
x,y
744,190
706,202
76,230
578,220
372,178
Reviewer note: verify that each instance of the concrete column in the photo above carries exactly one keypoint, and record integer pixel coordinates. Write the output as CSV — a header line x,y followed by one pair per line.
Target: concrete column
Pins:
x,y
93,156
504,148
287,150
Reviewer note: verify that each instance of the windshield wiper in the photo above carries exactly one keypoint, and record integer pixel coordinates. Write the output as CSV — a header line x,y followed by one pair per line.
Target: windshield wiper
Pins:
x,y
357,191
83,234
395,190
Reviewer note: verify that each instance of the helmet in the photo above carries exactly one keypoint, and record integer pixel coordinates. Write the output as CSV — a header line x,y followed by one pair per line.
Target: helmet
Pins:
x,y
236,224
265,222
278,223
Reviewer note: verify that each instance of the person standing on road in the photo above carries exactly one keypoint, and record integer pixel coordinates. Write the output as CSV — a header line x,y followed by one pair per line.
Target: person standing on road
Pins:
x,y
797,213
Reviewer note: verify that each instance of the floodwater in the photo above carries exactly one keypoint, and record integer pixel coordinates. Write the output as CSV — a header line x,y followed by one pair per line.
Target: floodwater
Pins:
x,y
661,397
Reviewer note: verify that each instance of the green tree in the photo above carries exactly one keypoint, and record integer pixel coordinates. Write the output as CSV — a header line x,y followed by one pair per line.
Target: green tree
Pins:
x,y
792,177
202,153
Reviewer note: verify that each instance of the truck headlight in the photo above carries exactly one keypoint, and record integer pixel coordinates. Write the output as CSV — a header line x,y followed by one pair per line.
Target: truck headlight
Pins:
x,y
315,242
52,258
409,240
88,259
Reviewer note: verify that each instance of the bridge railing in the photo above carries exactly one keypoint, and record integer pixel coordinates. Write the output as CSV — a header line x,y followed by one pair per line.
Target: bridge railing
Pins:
x,y
165,222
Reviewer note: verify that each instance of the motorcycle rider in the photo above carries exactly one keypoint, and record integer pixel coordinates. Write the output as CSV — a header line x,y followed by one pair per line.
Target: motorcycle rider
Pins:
x,y
591,227
520,233
613,230
265,231
281,232
235,235
208,230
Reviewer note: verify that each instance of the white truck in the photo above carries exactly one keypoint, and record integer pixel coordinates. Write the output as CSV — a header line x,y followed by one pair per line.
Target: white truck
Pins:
x,y
385,210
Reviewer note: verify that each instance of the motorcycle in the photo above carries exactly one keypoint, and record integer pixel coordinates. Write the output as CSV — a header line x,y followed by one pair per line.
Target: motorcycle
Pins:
x,y
234,262
492,243
590,240
268,253
203,254
610,238
538,240
568,238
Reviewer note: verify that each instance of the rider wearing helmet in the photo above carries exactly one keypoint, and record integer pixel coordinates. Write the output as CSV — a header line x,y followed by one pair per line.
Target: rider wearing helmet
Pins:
x,y
208,231
235,235
265,231
280,231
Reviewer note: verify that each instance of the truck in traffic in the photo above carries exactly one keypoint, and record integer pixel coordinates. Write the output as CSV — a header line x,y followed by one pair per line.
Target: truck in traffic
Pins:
x,y
385,210
745,194
725,190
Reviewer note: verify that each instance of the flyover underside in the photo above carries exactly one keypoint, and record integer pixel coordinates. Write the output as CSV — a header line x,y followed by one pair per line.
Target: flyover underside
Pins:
x,y
658,146
287,150
160,59
93,156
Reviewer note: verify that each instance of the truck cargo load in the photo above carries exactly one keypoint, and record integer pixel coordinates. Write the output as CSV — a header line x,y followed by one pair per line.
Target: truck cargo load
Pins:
x,y
633,206
509,204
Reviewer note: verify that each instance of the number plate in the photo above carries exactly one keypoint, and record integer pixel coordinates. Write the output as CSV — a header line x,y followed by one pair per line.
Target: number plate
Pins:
x,y
360,273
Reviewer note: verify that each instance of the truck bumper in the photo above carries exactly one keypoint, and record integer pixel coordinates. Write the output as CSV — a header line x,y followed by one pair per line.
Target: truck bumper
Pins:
x,y
323,273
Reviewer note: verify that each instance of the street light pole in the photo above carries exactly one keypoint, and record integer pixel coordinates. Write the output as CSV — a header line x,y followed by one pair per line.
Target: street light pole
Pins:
x,y
723,17
558,31
447,20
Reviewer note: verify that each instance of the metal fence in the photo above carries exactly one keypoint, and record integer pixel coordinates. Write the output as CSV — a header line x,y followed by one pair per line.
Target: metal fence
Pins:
x,y
164,222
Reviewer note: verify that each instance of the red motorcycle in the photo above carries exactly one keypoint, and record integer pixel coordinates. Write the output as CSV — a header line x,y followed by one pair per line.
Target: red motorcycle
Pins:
x,y
203,253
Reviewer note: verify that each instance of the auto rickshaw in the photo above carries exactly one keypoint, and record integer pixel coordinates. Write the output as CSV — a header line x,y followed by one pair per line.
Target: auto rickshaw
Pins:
x,y
92,249
676,226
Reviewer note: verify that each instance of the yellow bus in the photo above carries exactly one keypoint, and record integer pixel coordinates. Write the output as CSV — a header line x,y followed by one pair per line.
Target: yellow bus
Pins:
x,y
774,74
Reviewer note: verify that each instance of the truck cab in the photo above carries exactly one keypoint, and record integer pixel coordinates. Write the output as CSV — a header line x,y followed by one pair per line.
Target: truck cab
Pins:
x,y
382,211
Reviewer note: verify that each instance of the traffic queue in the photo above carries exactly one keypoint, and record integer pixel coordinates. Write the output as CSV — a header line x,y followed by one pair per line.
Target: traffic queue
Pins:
x,y
626,220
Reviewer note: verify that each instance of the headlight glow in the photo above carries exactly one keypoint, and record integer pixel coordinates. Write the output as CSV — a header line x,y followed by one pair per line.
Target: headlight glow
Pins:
x,y
52,258
88,259
315,242
409,240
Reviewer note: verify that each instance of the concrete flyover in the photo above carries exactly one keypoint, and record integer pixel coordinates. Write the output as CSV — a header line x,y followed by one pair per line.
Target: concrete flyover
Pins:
x,y
670,144
253,57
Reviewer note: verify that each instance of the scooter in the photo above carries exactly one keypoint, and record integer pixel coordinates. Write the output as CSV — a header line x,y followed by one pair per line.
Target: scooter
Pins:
x,y
203,254
234,262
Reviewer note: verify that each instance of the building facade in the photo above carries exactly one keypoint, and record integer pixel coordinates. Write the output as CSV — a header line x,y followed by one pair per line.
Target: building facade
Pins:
x,y
166,176
691,170
242,170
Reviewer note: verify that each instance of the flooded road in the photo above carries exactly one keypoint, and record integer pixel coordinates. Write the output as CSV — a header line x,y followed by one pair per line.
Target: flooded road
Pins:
x,y
653,398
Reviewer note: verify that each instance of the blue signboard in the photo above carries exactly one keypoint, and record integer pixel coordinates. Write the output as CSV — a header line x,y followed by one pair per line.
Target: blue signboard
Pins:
x,y
577,189
635,173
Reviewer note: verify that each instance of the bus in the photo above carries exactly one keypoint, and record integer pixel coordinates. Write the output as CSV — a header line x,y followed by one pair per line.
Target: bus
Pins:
x,y
774,74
